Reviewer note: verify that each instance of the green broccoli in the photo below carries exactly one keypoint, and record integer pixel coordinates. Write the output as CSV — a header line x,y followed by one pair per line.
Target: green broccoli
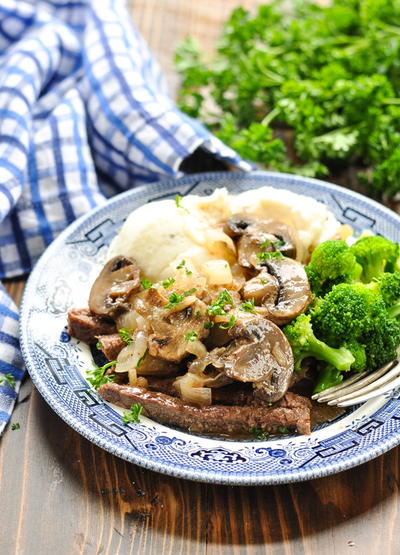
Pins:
x,y
304,344
356,314
340,316
328,376
388,285
376,255
359,353
331,262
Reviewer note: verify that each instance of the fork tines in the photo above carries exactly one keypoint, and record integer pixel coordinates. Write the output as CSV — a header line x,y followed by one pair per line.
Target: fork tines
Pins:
x,y
362,387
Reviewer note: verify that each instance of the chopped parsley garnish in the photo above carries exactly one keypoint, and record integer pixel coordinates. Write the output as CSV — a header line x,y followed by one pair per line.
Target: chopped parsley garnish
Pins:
x,y
141,359
176,298
191,336
126,335
228,326
98,345
197,313
209,325
8,379
263,281
133,414
182,265
259,433
97,376
146,283
265,244
283,430
15,426
216,308
278,243
269,255
247,306
168,282
178,202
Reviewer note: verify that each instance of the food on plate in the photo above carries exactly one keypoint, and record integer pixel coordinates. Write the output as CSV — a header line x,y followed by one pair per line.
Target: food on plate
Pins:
x,y
222,314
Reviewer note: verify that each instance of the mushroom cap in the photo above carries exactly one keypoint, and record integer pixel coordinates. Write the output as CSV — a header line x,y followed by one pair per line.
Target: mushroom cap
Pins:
x,y
252,231
263,288
260,354
119,278
294,293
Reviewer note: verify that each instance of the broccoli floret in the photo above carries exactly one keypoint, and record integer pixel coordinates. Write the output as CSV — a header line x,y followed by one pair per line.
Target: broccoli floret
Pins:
x,y
331,262
328,376
356,313
340,316
304,344
360,356
375,254
388,285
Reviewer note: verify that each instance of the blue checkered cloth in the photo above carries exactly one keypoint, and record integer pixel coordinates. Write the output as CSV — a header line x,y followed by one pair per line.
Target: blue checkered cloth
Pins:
x,y
84,114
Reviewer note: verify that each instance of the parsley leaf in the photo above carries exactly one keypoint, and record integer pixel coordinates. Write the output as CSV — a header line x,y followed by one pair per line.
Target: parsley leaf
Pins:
x,y
132,415
168,282
191,336
8,379
15,426
283,430
146,284
175,298
259,433
268,255
229,325
126,335
326,74
182,265
178,202
216,308
141,359
97,376
247,306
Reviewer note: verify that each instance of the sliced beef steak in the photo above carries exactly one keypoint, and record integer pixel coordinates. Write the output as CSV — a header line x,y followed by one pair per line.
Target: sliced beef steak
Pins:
x,y
111,345
86,326
214,419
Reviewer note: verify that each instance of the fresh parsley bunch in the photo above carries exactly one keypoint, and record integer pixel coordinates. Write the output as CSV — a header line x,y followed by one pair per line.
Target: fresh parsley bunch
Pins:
x,y
313,90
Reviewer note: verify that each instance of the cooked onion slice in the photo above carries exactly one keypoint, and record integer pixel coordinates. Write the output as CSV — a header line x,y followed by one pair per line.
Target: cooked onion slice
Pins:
x,y
191,390
196,348
130,356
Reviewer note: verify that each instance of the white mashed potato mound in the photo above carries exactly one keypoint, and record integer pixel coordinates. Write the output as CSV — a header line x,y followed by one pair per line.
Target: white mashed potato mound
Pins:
x,y
159,235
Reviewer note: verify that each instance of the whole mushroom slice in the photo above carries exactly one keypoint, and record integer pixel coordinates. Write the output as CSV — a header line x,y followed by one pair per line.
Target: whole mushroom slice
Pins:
x,y
119,278
260,354
255,234
294,291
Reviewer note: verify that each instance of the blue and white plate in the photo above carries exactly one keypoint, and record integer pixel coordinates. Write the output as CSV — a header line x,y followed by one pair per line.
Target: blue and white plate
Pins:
x,y
57,363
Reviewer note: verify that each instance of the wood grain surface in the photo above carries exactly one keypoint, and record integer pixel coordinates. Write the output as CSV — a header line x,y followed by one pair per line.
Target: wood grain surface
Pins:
x,y
61,495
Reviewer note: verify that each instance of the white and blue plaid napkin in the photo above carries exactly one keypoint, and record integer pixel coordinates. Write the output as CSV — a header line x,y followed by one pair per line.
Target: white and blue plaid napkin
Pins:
x,y
84,114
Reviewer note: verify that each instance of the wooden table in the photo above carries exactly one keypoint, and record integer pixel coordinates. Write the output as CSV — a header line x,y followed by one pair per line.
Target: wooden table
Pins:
x,y
60,494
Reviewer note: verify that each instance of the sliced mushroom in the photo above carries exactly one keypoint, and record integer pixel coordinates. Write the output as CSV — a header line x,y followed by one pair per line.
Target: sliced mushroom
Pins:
x,y
294,292
264,288
252,232
119,278
169,326
260,354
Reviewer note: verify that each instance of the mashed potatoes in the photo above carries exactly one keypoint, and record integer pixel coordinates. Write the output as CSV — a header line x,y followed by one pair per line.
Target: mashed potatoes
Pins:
x,y
159,235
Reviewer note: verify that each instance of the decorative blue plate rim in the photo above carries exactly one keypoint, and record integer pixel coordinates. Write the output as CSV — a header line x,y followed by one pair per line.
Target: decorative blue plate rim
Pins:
x,y
56,367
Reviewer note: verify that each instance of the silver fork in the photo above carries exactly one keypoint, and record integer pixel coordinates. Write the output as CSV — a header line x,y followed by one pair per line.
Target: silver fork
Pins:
x,y
362,387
